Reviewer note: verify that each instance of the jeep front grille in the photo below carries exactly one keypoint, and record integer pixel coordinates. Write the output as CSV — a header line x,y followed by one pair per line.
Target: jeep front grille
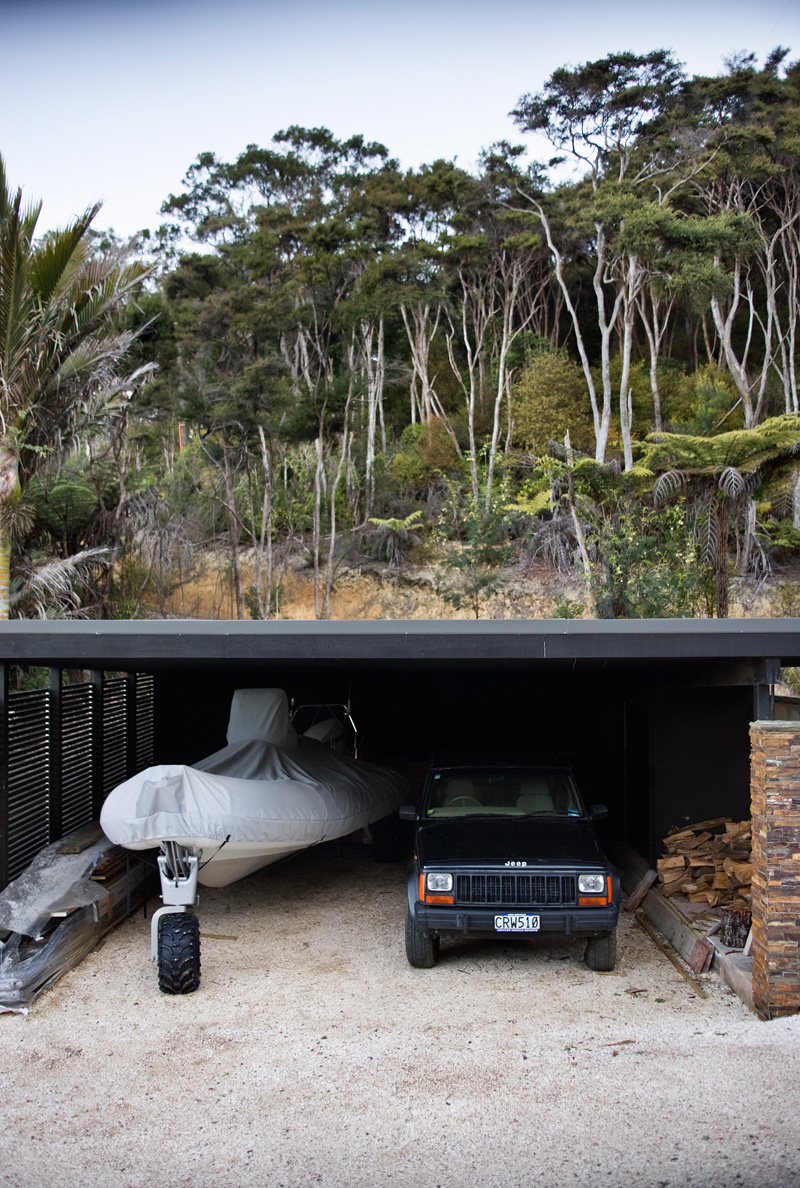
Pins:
x,y
515,888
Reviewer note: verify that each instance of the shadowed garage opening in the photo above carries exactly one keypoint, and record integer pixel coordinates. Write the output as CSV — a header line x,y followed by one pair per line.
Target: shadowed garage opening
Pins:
x,y
653,716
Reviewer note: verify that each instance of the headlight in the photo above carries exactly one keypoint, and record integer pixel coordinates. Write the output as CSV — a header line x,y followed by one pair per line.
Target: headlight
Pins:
x,y
591,884
439,882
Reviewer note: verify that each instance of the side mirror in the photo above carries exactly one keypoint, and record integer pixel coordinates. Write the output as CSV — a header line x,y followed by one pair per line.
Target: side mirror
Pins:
x,y
598,812
408,812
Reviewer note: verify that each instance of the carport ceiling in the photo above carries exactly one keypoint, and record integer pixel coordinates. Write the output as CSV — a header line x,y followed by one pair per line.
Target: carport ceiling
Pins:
x,y
548,643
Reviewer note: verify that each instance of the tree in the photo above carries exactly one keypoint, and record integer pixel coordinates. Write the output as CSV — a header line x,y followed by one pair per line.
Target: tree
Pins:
x,y
60,346
754,181
610,116
549,400
395,537
718,477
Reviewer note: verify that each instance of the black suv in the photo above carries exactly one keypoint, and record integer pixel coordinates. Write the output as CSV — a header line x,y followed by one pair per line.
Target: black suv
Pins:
x,y
508,849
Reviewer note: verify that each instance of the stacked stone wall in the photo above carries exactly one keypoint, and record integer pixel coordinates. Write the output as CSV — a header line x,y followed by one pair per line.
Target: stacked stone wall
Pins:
x,y
775,793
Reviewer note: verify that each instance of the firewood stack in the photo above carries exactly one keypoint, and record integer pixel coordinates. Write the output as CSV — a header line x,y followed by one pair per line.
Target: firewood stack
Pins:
x,y
708,862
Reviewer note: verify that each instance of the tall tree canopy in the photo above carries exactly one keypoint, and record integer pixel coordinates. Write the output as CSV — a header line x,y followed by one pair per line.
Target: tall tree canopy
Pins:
x,y
60,347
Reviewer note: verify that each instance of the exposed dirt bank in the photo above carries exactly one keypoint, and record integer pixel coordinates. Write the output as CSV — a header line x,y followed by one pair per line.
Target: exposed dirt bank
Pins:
x,y
415,592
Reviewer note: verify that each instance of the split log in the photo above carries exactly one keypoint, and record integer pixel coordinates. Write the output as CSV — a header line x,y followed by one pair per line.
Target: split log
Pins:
x,y
736,920
742,872
640,890
674,862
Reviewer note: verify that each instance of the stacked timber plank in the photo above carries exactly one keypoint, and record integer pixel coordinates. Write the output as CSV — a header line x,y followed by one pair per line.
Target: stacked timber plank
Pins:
x,y
57,910
708,862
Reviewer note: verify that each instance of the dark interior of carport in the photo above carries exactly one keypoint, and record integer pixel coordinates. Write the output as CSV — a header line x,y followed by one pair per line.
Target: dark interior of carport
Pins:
x,y
653,717
657,746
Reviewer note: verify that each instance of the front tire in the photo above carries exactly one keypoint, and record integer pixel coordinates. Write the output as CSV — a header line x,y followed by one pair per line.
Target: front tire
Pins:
x,y
178,953
422,949
601,952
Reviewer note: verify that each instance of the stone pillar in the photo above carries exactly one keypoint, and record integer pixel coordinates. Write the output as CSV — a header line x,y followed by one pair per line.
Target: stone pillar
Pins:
x,y
775,795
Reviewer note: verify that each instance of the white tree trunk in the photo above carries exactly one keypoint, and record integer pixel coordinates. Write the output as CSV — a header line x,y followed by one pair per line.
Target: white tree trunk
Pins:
x,y
477,311
601,419
511,274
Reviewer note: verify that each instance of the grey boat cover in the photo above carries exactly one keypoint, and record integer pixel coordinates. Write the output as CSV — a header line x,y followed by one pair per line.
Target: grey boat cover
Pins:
x,y
265,786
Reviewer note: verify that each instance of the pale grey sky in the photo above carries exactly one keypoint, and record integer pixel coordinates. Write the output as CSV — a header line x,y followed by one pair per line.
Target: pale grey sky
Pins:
x,y
113,100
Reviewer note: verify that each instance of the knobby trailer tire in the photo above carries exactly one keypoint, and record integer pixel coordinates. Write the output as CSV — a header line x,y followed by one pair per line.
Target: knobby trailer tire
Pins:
x,y
178,953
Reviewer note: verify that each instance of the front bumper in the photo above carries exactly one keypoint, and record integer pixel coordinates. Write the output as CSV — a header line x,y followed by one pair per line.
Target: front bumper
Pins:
x,y
472,921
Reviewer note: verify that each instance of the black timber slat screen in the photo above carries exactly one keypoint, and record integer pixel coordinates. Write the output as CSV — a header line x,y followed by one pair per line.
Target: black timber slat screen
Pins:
x,y
145,734
115,768
33,804
76,756
28,777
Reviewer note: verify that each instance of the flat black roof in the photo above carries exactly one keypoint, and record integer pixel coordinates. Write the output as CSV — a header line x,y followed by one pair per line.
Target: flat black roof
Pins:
x,y
152,644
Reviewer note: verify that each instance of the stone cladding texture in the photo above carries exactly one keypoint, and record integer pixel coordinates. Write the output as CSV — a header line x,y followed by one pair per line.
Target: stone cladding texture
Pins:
x,y
775,794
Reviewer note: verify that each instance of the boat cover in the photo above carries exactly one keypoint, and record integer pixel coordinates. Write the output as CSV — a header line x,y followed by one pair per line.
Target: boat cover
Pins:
x,y
264,786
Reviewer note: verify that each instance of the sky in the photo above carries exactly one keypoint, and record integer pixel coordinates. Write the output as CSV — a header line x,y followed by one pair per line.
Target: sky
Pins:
x,y
112,100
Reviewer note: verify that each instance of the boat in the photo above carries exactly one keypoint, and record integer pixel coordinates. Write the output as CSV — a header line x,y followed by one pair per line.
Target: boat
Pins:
x,y
265,795
269,793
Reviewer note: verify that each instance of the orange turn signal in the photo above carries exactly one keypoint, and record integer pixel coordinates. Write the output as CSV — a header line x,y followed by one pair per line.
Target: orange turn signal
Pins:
x,y
438,898
592,901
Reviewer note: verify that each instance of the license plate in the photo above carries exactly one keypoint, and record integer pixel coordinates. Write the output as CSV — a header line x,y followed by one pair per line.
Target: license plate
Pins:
x,y
516,922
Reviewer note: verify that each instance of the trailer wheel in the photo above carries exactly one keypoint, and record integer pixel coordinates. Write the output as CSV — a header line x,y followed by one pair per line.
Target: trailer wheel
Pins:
x,y
601,952
422,949
178,953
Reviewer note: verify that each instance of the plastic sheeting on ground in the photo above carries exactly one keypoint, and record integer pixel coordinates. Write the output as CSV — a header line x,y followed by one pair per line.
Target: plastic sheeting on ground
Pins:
x,y
42,947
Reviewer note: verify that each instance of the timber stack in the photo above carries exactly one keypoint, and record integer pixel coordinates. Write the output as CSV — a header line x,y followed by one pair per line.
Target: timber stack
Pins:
x,y
708,862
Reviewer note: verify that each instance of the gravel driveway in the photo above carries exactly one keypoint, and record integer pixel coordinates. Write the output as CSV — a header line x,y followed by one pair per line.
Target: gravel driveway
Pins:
x,y
314,1055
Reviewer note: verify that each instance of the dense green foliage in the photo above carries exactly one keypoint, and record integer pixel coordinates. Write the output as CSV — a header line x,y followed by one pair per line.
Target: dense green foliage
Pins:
x,y
356,361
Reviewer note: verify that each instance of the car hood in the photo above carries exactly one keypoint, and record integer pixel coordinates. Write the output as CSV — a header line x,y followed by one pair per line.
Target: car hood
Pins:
x,y
470,841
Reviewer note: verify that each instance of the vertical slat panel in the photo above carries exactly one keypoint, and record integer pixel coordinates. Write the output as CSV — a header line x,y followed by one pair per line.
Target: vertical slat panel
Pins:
x,y
76,756
28,777
131,707
56,829
114,734
98,735
4,839
144,720
62,750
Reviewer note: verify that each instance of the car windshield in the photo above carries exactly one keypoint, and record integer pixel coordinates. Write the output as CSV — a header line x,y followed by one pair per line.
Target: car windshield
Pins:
x,y
509,791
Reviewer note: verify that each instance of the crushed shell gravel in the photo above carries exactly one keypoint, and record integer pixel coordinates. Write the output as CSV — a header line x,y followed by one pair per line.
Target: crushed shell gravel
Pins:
x,y
313,1054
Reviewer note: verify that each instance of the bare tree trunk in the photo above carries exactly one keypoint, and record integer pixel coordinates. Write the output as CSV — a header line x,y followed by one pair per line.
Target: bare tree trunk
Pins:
x,y
9,492
576,524
319,478
511,275
655,328
266,523
606,325
600,418
721,559
420,331
343,452
375,370
233,523
477,310
630,290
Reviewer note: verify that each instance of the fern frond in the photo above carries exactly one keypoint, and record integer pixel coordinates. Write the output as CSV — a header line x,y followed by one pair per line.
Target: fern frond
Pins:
x,y
667,486
732,482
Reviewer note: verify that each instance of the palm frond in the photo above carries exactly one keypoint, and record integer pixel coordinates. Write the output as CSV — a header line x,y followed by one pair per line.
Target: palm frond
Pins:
x,y
49,591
